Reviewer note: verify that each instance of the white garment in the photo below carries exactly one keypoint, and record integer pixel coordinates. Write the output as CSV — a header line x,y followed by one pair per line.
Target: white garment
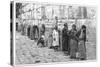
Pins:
x,y
55,38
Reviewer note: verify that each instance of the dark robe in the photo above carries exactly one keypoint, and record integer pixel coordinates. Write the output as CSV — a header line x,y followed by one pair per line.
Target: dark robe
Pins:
x,y
42,30
34,32
28,31
23,29
65,39
73,43
16,26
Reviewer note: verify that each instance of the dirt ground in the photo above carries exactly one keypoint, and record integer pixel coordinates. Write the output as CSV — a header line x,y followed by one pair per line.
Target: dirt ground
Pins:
x,y
27,52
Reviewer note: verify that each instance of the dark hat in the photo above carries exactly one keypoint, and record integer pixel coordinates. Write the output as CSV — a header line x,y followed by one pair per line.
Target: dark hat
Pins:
x,y
83,26
65,24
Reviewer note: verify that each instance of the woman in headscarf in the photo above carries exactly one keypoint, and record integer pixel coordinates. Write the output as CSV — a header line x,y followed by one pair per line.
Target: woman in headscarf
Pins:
x,y
73,42
81,43
65,38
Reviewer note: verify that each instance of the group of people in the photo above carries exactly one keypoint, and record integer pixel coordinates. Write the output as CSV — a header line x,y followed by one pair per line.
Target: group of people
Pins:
x,y
71,41
31,31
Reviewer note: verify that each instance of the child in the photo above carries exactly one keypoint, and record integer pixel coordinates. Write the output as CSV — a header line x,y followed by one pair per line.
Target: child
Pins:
x,y
41,41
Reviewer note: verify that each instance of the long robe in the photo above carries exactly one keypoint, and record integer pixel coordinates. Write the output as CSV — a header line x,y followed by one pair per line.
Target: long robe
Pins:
x,y
28,31
16,26
34,32
65,39
73,43
23,29
81,44
42,30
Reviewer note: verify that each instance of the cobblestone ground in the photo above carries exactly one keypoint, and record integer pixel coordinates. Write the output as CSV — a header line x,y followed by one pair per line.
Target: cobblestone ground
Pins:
x,y
27,52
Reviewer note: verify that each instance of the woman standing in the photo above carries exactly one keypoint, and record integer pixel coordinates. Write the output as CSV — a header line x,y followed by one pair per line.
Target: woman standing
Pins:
x,y
73,42
81,45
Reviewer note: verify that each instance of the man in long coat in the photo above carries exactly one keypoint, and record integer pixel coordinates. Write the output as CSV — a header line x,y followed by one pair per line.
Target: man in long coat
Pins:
x,y
65,38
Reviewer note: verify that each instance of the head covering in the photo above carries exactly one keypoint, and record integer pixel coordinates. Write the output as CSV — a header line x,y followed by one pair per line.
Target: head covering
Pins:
x,y
83,26
74,25
65,24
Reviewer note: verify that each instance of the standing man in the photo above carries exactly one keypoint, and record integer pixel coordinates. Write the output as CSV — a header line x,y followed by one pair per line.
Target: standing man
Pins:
x,y
65,38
